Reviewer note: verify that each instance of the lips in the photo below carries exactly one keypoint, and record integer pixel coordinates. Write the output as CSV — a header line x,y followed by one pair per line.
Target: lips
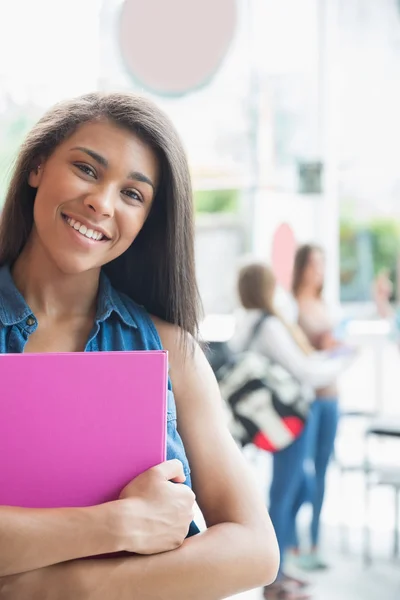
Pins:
x,y
88,232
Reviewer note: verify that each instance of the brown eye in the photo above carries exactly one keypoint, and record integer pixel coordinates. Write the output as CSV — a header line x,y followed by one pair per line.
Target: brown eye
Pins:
x,y
134,195
87,169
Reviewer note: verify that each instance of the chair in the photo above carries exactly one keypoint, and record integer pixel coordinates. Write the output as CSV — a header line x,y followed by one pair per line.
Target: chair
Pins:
x,y
359,422
378,475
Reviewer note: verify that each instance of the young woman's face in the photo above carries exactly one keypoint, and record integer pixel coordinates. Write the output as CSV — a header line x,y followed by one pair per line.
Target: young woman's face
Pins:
x,y
314,272
94,194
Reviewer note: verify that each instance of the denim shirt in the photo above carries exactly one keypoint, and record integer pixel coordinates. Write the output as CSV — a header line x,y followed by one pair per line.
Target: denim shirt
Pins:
x,y
120,324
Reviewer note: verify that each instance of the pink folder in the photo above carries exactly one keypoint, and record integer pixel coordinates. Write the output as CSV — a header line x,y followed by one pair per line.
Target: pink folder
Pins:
x,y
76,428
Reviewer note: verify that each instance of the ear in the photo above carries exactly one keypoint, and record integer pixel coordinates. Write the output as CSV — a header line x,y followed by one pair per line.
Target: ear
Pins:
x,y
35,176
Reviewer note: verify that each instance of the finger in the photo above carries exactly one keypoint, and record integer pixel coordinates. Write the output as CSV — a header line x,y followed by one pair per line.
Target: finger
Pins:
x,y
172,470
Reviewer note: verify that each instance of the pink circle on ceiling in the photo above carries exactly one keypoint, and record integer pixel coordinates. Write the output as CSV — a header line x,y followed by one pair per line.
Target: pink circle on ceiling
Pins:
x,y
283,251
174,46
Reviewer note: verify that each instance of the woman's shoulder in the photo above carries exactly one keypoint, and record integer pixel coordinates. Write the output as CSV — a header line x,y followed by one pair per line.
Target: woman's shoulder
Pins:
x,y
179,343
245,320
168,332
313,309
167,335
273,325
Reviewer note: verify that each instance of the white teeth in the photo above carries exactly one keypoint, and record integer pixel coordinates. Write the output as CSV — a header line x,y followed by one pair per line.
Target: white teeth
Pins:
x,y
89,233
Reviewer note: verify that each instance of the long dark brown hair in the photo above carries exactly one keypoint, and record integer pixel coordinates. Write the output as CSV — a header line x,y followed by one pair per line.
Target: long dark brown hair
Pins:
x,y
301,261
158,270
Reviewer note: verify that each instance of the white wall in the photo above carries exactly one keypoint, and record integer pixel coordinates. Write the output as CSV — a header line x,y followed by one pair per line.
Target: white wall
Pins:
x,y
219,244
313,219
272,209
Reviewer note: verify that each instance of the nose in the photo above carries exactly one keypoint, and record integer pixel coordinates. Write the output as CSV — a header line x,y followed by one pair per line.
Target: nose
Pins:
x,y
101,202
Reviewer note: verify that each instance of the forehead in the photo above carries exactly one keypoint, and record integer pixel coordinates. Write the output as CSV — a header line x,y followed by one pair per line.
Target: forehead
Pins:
x,y
116,144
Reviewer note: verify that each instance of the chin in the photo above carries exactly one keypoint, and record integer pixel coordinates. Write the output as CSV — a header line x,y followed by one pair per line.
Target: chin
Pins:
x,y
72,265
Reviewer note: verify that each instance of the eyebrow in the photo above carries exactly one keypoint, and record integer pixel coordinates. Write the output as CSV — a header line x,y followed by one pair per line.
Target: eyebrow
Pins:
x,y
134,175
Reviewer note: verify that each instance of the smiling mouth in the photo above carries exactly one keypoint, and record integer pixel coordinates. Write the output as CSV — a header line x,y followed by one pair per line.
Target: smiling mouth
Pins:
x,y
91,234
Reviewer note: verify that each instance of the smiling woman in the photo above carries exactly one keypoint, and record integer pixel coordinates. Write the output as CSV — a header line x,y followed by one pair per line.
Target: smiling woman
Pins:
x,y
97,254
117,144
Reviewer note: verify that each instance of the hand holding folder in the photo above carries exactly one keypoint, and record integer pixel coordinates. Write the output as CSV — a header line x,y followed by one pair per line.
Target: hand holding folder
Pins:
x,y
87,429
158,496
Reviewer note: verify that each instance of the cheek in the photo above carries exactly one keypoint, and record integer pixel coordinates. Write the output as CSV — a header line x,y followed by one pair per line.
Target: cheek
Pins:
x,y
319,271
130,223
51,194
41,209
308,273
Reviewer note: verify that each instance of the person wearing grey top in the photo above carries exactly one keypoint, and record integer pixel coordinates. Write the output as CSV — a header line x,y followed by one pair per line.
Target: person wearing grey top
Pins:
x,y
286,345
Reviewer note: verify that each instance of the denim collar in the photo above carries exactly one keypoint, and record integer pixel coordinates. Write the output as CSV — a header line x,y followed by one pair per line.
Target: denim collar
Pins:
x,y
14,309
110,300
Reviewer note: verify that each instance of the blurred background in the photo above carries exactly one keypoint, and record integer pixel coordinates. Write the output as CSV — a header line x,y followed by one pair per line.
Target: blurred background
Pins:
x,y
288,110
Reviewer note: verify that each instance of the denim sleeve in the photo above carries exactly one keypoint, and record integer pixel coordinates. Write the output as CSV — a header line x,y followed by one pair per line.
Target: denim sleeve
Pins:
x,y
175,447
176,450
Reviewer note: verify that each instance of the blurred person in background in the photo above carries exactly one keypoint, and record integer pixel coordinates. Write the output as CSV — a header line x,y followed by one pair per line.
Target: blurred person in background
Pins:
x,y
97,254
316,320
284,344
382,294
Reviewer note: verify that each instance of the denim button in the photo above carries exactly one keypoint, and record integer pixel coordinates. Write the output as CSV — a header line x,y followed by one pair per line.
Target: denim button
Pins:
x,y
30,321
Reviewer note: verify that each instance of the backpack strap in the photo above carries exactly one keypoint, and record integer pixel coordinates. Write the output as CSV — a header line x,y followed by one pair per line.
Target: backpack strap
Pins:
x,y
256,329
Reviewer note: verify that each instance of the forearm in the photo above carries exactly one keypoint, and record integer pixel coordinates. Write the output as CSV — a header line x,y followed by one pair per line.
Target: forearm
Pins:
x,y
218,563
35,538
323,372
307,369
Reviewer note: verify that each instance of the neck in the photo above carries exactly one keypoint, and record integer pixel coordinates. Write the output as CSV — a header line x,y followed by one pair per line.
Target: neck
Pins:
x,y
307,292
49,291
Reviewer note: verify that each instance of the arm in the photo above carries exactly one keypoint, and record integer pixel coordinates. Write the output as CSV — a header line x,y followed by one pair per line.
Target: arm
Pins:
x,y
216,564
152,515
326,341
30,538
237,552
312,370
